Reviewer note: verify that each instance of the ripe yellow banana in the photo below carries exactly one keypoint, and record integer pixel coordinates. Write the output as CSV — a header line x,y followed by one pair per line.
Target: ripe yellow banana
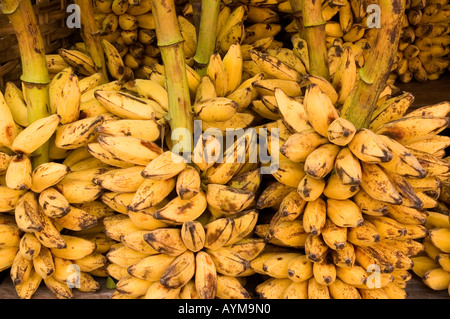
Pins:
x,y
79,61
35,135
18,173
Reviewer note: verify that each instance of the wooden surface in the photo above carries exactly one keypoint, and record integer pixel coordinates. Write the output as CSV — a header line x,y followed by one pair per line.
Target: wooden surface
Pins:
x,y
425,93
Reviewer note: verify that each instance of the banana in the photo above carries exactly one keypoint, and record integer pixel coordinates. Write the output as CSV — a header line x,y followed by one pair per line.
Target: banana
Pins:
x,y
47,175
319,109
315,248
436,220
124,256
193,235
432,164
135,241
128,106
233,63
179,211
189,34
121,180
143,129
324,85
299,146
407,215
91,262
403,161
300,269
78,191
77,219
387,227
114,61
272,288
272,66
150,193
266,86
430,249
317,290
9,198
35,135
310,189
100,158
151,268
232,29
345,76
228,199
152,90
439,238
180,271
55,63
314,216
65,94
220,232
130,149
325,272
286,233
334,236
133,287
53,203
216,109
258,31
159,291
320,161
18,173
58,289
390,110
43,263
228,262
217,73
229,287
27,288
166,240
289,173
444,261
348,168
27,214
76,248
377,184
117,226
29,246
292,111
20,269
336,190
367,257
344,213
437,279
341,131
410,197
431,145
272,195
369,147
15,101
413,129
78,133
79,61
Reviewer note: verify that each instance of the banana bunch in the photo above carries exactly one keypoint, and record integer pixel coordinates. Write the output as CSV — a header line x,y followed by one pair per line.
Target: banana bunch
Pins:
x,y
353,204
129,26
425,43
54,210
432,265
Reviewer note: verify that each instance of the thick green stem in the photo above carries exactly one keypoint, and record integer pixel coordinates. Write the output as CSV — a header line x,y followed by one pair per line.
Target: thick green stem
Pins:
x,y
206,35
360,104
34,68
91,36
308,15
170,42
